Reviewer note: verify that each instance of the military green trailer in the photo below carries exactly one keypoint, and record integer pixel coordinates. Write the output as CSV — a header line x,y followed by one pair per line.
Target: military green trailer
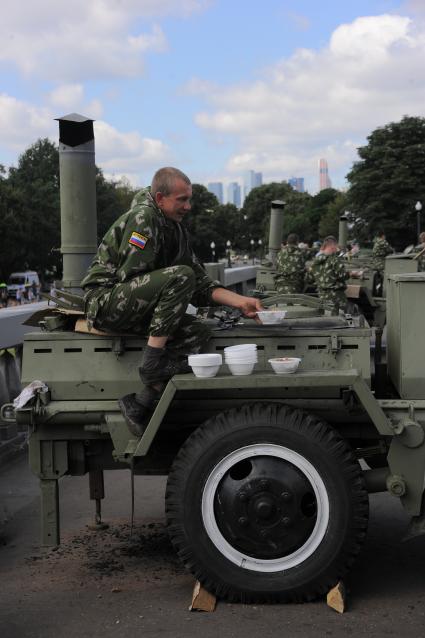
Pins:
x,y
268,475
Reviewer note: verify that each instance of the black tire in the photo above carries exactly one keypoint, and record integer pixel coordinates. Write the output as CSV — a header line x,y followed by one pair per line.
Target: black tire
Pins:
x,y
265,504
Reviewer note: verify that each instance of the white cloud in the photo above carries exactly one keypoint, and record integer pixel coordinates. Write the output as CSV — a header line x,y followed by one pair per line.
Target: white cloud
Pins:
x,y
21,123
118,153
67,96
71,98
78,40
121,153
321,103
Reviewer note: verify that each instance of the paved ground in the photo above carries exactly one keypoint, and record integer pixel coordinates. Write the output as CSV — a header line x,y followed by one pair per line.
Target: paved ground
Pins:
x,y
103,584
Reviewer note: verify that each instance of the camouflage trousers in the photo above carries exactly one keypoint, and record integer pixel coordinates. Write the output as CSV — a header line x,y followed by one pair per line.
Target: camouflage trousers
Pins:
x,y
151,304
286,287
336,300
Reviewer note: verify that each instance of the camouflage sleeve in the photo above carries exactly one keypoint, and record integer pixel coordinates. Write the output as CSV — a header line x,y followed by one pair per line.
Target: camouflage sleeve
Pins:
x,y
343,273
204,284
103,269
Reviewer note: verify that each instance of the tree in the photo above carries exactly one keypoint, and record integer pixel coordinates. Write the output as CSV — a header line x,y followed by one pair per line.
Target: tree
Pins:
x,y
388,180
112,200
34,192
200,221
329,222
257,207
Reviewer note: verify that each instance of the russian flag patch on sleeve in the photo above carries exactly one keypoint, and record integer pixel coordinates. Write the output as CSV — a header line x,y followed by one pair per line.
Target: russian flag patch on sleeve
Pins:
x,y
138,240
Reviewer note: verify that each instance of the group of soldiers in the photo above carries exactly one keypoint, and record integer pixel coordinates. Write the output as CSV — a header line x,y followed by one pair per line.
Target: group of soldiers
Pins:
x,y
296,269
325,267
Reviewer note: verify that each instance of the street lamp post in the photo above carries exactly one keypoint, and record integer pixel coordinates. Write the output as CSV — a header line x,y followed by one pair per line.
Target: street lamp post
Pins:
x,y
252,242
260,249
229,246
212,246
418,207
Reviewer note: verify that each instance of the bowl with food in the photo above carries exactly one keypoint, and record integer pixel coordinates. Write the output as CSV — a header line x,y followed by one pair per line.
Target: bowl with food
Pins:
x,y
285,365
269,317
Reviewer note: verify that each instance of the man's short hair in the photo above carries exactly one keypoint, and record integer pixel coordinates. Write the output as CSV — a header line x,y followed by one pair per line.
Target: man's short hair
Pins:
x,y
164,179
292,239
330,239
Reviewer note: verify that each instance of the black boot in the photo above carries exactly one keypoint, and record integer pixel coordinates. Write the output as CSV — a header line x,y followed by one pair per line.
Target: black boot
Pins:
x,y
157,365
137,409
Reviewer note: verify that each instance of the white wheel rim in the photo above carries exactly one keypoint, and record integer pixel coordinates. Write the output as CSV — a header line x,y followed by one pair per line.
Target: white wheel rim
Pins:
x,y
244,560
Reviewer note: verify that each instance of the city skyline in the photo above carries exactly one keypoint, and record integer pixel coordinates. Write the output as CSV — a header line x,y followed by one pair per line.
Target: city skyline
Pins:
x,y
324,179
306,80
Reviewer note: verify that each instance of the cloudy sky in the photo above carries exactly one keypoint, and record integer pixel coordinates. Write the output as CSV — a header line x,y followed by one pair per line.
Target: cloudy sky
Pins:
x,y
214,87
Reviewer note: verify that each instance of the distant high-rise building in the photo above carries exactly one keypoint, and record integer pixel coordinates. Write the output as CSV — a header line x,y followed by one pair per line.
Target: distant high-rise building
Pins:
x,y
234,194
251,180
324,179
217,189
297,183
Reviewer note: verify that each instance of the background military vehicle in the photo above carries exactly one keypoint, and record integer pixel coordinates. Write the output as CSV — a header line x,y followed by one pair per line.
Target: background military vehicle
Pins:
x,y
365,288
268,475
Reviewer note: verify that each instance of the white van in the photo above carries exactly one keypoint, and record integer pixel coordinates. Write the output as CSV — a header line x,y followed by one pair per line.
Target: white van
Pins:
x,y
18,281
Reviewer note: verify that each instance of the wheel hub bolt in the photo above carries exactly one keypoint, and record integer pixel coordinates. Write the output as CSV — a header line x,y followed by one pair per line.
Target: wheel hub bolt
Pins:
x,y
286,521
264,484
243,497
286,496
243,521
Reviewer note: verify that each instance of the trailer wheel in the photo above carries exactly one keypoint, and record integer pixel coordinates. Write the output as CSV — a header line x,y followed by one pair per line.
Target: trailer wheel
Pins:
x,y
266,503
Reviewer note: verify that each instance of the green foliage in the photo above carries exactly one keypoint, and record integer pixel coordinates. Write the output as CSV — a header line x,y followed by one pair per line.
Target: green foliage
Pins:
x,y
30,210
303,212
112,200
329,222
388,180
209,221
34,204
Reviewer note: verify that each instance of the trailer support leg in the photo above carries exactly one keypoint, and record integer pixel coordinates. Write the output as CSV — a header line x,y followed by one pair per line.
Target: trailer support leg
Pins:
x,y
50,527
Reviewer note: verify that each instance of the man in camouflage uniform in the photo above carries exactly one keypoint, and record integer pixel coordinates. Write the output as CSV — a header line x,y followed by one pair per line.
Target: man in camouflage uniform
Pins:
x,y
142,279
290,267
381,248
421,253
330,276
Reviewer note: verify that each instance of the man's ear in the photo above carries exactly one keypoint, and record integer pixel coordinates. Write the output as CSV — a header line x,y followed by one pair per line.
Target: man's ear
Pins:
x,y
158,198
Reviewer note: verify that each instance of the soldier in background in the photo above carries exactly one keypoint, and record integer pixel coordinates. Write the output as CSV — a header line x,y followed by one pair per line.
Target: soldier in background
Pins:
x,y
381,248
420,257
330,275
290,267
3,295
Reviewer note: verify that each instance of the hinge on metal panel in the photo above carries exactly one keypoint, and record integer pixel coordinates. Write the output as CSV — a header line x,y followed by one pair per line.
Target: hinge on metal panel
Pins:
x,y
335,344
118,346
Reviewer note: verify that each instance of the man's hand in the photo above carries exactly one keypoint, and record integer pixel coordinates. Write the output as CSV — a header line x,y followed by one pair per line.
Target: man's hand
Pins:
x,y
249,306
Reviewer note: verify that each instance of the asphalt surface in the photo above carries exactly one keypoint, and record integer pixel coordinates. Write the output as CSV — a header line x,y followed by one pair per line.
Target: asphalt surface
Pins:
x,y
106,584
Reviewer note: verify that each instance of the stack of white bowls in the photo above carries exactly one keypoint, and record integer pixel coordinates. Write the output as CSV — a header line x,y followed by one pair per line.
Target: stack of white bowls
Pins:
x,y
241,359
205,365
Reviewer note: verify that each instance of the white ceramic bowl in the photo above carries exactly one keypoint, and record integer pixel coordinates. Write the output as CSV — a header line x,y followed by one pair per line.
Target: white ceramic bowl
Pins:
x,y
240,369
240,353
242,359
241,346
205,365
268,317
205,371
284,365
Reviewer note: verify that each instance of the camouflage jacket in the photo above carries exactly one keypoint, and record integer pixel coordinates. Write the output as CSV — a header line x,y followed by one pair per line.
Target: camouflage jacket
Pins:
x,y
381,248
329,272
290,264
143,240
421,259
